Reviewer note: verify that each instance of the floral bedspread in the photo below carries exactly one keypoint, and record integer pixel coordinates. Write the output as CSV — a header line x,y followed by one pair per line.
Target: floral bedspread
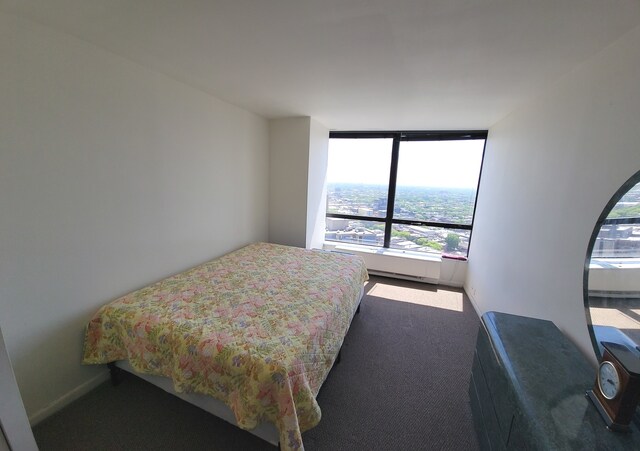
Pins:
x,y
258,329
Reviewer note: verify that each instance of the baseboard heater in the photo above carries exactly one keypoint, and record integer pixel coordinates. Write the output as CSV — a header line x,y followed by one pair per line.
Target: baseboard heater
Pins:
x,y
609,294
397,263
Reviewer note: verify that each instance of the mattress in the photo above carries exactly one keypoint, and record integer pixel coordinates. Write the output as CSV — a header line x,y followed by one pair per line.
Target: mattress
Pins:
x,y
258,329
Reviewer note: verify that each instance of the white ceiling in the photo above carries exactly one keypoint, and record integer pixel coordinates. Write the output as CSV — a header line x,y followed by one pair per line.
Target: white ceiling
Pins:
x,y
352,64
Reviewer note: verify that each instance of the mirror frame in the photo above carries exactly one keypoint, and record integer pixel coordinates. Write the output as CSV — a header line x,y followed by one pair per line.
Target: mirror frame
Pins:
x,y
626,186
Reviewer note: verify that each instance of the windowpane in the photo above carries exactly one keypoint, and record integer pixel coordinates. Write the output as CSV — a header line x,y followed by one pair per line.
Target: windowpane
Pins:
x,y
356,232
621,239
437,180
628,206
430,240
358,176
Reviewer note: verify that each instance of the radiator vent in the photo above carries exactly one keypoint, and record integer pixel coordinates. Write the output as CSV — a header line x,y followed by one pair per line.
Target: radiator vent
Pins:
x,y
397,263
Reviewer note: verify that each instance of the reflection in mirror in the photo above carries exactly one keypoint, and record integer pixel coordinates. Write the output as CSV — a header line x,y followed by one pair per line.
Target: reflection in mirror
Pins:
x,y
612,276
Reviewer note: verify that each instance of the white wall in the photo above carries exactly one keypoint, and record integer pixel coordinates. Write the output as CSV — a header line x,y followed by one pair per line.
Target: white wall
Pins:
x,y
112,176
453,273
298,155
549,170
317,187
288,165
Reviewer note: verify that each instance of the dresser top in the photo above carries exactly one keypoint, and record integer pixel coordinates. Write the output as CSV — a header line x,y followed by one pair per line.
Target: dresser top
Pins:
x,y
549,378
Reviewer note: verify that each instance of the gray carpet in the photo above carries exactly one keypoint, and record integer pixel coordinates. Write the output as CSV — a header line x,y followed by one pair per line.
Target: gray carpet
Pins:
x,y
401,385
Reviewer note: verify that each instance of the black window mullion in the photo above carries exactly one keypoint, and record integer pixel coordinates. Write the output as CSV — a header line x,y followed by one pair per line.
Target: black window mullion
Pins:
x,y
444,135
391,197
614,221
356,217
443,225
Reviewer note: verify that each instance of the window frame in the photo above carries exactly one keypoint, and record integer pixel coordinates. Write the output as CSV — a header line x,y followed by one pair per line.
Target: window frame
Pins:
x,y
398,137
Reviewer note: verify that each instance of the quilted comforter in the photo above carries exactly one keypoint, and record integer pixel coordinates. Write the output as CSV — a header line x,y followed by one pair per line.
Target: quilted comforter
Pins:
x,y
258,329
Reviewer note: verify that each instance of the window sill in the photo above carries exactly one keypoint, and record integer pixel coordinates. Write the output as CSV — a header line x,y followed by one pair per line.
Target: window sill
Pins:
x,y
328,245
401,264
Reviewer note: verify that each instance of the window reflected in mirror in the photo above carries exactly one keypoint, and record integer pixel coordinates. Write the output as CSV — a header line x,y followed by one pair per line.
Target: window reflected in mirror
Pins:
x,y
613,272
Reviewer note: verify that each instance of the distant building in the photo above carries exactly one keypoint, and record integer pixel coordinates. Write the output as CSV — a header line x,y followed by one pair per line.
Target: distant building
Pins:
x,y
334,224
380,204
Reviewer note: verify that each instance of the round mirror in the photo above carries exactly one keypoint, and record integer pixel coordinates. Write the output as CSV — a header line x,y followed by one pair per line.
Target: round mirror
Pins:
x,y
612,271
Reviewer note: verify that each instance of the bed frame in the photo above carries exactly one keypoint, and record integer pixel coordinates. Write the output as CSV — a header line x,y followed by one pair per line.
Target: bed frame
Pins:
x,y
266,430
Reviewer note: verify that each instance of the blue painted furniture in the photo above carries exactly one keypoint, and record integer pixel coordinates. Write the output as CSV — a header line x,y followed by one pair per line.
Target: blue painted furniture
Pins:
x,y
528,387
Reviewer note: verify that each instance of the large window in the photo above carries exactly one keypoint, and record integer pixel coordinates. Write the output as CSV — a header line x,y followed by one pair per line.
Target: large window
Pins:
x,y
404,190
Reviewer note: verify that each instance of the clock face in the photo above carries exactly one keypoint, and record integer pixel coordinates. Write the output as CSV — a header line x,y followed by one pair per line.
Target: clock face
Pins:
x,y
608,380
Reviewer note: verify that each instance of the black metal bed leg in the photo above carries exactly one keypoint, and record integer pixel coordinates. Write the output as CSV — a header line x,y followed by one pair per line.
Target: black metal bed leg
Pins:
x,y
115,373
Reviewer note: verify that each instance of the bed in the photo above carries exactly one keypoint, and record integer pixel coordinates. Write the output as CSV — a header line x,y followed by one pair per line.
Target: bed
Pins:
x,y
256,330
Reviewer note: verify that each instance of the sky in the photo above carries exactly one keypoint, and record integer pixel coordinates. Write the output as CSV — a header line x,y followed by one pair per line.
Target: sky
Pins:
x,y
442,164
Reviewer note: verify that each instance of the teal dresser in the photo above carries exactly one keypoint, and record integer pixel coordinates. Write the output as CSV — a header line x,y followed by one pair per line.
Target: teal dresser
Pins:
x,y
528,387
